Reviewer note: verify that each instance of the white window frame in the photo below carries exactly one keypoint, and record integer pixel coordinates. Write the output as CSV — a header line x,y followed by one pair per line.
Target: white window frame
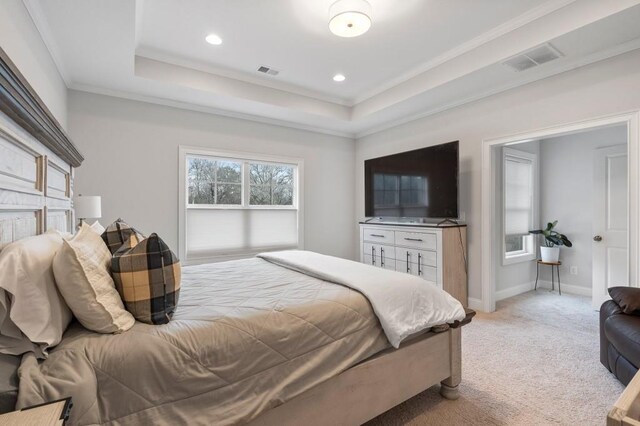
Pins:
x,y
529,252
244,157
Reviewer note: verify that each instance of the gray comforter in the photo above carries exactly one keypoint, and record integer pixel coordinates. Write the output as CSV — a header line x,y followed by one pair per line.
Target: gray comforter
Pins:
x,y
247,336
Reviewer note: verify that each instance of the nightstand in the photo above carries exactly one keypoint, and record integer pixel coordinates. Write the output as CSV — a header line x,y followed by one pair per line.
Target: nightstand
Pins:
x,y
53,413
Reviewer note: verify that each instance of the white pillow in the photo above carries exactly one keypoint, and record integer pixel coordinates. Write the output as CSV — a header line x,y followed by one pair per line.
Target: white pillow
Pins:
x,y
33,314
81,268
97,227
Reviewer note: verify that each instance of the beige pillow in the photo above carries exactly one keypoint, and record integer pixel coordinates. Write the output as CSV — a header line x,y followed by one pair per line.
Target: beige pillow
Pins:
x,y
33,315
81,269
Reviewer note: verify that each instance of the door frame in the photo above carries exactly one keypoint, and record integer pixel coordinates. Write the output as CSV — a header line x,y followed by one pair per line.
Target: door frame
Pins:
x,y
490,247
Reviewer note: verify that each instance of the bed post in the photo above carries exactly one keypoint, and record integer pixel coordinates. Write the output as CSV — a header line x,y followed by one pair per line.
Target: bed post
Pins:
x,y
449,386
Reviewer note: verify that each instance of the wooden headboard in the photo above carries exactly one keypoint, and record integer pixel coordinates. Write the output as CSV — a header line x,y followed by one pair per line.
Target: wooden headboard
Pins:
x,y
37,160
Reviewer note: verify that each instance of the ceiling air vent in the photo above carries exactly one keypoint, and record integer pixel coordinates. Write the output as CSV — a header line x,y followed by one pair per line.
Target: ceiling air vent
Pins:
x,y
268,71
532,58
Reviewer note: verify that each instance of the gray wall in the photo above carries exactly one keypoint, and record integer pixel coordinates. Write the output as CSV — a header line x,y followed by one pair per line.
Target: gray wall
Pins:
x,y
567,195
604,88
131,151
20,39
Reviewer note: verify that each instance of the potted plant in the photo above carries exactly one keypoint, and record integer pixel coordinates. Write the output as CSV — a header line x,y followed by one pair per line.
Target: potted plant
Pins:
x,y
550,252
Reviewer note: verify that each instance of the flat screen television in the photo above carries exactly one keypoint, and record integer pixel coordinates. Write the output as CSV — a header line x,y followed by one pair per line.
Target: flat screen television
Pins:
x,y
419,184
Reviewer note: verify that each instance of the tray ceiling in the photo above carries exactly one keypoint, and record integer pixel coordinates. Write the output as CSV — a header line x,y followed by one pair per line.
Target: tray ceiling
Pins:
x,y
420,56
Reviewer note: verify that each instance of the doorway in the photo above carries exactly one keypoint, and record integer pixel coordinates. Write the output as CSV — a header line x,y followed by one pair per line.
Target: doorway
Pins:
x,y
602,204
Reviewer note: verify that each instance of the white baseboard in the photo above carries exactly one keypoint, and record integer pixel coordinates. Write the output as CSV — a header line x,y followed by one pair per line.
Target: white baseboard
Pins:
x,y
515,290
566,288
475,304
523,288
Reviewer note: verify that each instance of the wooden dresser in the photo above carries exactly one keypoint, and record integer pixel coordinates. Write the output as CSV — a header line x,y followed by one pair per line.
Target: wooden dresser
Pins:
x,y
435,253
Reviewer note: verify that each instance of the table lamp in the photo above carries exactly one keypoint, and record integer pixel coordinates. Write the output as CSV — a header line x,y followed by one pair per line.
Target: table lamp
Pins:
x,y
87,207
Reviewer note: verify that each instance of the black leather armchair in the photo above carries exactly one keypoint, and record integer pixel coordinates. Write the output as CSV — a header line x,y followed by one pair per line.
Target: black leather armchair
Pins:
x,y
620,333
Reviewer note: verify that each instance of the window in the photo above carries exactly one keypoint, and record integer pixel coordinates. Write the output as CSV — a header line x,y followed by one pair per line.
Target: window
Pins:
x,y
519,205
214,181
234,205
271,184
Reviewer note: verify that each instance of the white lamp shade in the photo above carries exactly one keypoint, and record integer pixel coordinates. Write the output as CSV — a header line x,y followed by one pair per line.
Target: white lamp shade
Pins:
x,y
88,206
350,18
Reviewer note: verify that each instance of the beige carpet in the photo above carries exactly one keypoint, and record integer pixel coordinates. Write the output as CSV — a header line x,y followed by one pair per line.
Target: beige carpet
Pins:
x,y
535,361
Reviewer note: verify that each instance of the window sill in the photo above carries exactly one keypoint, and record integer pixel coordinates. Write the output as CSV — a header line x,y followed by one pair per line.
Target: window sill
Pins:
x,y
202,257
519,258
238,207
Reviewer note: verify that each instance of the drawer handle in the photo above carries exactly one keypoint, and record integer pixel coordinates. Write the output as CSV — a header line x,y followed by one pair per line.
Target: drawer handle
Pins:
x,y
408,262
419,264
373,255
414,239
377,235
381,257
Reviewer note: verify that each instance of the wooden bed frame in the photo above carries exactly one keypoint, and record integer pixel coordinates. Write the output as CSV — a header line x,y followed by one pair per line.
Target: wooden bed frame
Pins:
x,y
378,384
37,161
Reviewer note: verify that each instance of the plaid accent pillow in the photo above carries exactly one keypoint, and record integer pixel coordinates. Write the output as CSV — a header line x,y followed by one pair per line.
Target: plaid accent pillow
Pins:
x,y
147,276
118,233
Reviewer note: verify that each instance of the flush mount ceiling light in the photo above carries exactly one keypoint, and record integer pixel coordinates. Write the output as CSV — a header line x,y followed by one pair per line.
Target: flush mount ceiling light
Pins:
x,y
213,39
339,78
350,18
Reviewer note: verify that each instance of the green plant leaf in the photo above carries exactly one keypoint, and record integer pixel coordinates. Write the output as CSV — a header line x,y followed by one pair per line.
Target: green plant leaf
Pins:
x,y
555,240
566,241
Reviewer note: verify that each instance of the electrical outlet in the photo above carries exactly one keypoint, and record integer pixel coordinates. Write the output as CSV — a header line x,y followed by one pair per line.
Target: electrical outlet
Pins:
x,y
574,270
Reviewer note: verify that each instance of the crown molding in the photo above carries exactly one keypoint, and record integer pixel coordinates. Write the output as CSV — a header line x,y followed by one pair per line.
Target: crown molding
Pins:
x,y
209,110
40,22
139,11
499,31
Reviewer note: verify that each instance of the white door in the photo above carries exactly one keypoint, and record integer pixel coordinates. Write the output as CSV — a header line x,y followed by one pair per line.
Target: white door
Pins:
x,y
610,225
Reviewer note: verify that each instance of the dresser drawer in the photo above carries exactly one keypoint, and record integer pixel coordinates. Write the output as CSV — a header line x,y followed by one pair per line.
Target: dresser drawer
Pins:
x,y
424,258
418,240
376,235
379,251
387,264
428,273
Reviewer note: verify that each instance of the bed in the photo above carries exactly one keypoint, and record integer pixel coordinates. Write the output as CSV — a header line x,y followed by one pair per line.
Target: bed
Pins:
x,y
251,342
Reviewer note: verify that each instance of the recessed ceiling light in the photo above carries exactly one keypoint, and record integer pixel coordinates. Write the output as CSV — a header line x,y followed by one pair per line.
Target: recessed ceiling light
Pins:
x,y
213,39
339,78
350,18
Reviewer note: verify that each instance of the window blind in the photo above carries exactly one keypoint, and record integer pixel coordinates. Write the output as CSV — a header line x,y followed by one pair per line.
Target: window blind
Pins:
x,y
518,202
212,232
237,206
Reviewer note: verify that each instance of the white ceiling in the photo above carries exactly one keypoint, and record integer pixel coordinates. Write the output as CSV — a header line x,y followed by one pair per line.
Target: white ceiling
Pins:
x,y
292,36
420,56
